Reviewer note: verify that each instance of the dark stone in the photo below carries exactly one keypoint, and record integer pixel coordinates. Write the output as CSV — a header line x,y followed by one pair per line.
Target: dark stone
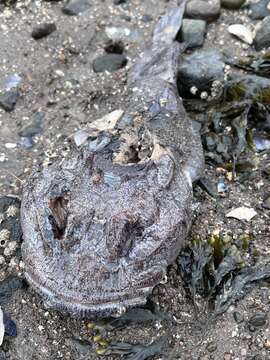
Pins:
x,y
200,69
193,32
238,317
35,126
75,7
204,10
147,18
232,4
259,10
211,347
118,2
8,99
258,320
43,30
114,47
109,62
262,38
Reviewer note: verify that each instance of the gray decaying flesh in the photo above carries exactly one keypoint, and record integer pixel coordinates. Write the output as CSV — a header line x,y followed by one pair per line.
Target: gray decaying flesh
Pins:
x,y
101,227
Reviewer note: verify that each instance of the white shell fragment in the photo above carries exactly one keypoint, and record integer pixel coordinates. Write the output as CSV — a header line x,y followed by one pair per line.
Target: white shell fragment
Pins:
x,y
242,32
80,137
107,122
2,326
242,213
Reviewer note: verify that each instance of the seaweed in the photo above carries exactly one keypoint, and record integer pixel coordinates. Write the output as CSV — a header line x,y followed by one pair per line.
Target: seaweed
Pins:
x,y
236,287
259,65
206,266
137,351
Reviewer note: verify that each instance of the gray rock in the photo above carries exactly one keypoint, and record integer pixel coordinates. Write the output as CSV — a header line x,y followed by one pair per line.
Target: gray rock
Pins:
x,y
262,38
200,70
109,62
259,10
232,4
75,7
35,126
193,32
43,30
258,320
204,10
8,99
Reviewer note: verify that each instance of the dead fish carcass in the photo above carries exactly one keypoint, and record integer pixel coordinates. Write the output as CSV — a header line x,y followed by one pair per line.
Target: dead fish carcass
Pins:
x,y
102,225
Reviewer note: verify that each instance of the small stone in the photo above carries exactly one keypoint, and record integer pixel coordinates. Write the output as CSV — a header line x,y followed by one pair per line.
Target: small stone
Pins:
x,y
193,32
267,344
118,2
147,18
43,30
227,356
27,142
262,38
258,320
76,7
8,99
109,62
204,10
259,10
242,32
211,347
232,4
238,317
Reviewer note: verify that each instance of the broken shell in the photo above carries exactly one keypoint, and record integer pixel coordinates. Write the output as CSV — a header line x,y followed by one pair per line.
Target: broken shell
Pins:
x,y
241,32
242,213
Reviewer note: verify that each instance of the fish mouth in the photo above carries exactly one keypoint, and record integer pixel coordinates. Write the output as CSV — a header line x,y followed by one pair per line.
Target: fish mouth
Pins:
x,y
88,309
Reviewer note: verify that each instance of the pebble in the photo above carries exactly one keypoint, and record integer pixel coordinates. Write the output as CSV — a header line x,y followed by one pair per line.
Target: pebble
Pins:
x,y
76,7
118,2
262,38
238,317
43,30
27,142
241,32
259,10
211,347
8,99
193,32
232,4
204,10
258,320
109,62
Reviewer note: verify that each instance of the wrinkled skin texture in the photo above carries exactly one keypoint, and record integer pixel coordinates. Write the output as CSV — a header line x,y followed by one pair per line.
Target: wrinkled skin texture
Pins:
x,y
101,227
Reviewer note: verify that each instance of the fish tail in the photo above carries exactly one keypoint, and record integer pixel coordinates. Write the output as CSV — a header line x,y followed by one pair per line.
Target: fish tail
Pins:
x,y
169,25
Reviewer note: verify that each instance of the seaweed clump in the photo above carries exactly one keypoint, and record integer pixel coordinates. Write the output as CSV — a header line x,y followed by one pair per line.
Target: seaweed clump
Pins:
x,y
216,270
